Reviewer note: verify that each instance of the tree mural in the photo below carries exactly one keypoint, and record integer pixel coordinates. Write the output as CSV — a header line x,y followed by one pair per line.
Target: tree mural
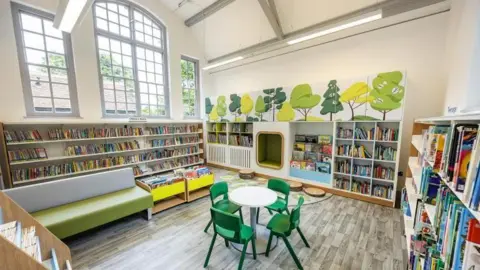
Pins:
x,y
274,99
234,106
208,106
355,96
303,100
221,107
260,107
213,116
246,105
286,113
332,103
387,93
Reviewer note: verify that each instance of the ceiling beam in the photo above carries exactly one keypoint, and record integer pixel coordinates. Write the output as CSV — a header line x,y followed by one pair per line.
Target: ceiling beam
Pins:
x,y
200,16
271,13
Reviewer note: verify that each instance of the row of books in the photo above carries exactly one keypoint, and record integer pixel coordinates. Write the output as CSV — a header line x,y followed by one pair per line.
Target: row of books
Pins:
x,y
222,138
361,187
385,153
364,134
313,139
362,170
386,134
78,166
237,127
382,172
344,150
27,154
240,140
87,133
76,150
343,166
322,167
324,148
310,156
24,238
385,192
212,138
166,165
172,129
360,151
157,181
219,127
174,141
193,173
344,133
22,135
342,183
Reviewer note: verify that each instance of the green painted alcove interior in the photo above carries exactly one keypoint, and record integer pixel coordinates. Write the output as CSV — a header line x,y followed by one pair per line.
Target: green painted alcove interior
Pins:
x,y
270,150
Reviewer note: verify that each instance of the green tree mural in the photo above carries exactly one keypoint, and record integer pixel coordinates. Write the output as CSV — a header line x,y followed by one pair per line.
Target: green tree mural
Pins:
x,y
355,96
303,100
208,105
221,107
260,108
332,103
286,113
387,93
246,105
274,99
234,106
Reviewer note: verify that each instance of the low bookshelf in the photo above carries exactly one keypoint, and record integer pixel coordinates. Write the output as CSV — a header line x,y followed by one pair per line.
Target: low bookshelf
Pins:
x,y
36,153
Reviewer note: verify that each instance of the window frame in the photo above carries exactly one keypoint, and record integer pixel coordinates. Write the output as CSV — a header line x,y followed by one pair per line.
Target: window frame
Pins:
x,y
16,9
196,64
133,44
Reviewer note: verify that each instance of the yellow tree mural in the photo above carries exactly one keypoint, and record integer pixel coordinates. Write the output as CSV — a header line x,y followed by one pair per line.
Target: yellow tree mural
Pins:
x,y
355,96
246,105
286,113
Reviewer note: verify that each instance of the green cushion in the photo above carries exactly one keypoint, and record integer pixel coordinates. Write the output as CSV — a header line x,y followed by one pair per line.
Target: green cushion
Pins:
x,y
279,206
79,216
246,233
279,224
226,206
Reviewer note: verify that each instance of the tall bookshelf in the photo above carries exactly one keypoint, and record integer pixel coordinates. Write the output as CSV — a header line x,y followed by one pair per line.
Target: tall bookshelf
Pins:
x,y
149,148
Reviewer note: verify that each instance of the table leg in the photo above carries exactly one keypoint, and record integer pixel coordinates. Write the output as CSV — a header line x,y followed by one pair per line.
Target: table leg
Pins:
x,y
253,219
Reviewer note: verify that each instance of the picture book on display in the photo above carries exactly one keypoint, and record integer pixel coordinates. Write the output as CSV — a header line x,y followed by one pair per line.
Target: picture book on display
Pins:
x,y
471,257
466,141
312,153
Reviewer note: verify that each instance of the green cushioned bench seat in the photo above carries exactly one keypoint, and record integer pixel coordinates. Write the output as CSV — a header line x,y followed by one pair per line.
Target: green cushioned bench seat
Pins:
x,y
69,219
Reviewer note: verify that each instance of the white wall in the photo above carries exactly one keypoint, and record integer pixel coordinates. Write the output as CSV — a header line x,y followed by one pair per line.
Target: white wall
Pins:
x,y
417,47
12,108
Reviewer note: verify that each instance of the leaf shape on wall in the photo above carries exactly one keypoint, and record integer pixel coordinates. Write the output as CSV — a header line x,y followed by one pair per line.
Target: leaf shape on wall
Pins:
x,y
246,104
286,113
302,97
356,92
388,83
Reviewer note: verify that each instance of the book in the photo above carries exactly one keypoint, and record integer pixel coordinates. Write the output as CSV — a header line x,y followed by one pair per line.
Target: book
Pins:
x,y
475,200
324,139
295,164
472,172
298,155
458,255
310,166
299,147
324,167
472,246
469,136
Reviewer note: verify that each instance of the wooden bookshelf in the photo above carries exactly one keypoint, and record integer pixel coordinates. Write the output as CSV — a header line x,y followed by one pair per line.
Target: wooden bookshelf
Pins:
x,y
55,149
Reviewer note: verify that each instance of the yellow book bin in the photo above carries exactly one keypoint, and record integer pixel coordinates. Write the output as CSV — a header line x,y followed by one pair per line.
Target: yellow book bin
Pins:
x,y
166,191
199,187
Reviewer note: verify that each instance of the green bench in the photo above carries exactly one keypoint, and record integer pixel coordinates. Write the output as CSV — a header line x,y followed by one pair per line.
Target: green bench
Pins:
x,y
70,206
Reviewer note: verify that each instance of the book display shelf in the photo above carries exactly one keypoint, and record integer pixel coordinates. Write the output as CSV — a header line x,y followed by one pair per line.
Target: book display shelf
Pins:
x,y
442,194
44,152
366,157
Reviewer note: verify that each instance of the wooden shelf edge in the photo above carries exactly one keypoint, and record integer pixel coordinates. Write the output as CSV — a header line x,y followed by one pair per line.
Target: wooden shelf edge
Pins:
x,y
167,203
198,193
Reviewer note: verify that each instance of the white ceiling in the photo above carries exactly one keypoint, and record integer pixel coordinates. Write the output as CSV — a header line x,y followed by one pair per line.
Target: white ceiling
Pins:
x,y
242,23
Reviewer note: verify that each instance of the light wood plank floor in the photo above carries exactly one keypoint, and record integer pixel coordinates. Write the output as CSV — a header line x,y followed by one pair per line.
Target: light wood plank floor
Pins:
x,y
343,234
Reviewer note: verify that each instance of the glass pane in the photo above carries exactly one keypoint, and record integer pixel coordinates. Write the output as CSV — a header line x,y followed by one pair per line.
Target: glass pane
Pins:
x,y
130,85
33,40
55,45
142,76
102,24
147,21
31,23
127,61
42,104
113,17
158,69
148,30
138,27
158,58
160,90
153,99
141,64
132,108
40,89
113,28
100,12
126,49
102,5
115,46
150,77
112,7
109,95
49,30
116,59
149,55
131,97
117,71
58,75
38,73
140,53
124,32
109,108
62,105
36,57
152,89
148,39
123,10
124,21
144,98
56,60
161,110
139,36
156,33
138,16
121,108
103,43
60,90
128,73
161,100
120,96
159,78
157,43
119,84
150,66
108,82
145,110
143,87
105,64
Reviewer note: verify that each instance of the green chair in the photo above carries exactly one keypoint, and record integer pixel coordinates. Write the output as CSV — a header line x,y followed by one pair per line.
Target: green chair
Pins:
x,y
281,204
232,229
217,190
282,226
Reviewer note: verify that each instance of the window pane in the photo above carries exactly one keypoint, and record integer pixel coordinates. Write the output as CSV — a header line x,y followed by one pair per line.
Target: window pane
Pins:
x,y
132,108
131,97
55,45
110,108
160,90
126,49
138,16
59,75
60,90
119,84
124,31
102,24
161,100
141,65
156,32
40,89
148,39
152,89
50,31
115,46
140,53
38,73
36,57
149,55
143,87
100,12
114,28
42,104
109,95
157,43
121,108
123,10
129,85
112,6
31,23
139,36
33,40
120,96
108,82
116,59
150,67
56,60
113,17
103,43
144,98
128,73
127,61
62,105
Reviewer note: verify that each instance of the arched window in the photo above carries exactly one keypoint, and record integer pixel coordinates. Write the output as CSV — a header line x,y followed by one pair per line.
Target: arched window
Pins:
x,y
132,58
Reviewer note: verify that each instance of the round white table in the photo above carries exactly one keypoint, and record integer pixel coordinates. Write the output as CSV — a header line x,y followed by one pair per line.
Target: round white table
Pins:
x,y
255,197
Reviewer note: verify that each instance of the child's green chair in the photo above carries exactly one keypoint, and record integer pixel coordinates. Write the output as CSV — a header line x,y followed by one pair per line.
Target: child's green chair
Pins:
x,y
217,190
282,226
281,204
232,229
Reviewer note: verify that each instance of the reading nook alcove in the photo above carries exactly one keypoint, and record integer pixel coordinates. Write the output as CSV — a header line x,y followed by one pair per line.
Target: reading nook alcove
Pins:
x,y
270,150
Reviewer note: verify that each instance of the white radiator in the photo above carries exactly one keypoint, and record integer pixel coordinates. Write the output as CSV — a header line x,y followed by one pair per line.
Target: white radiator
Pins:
x,y
217,153
240,157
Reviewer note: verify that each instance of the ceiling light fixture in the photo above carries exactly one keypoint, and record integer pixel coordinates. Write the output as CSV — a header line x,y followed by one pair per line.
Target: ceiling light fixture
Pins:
x,y
223,63
69,12
371,18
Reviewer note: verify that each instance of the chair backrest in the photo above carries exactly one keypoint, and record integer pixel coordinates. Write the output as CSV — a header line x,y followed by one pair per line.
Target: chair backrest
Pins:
x,y
279,186
225,224
295,215
218,189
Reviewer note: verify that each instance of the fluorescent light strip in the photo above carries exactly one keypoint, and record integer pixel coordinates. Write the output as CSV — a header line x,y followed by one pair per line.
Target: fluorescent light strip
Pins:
x,y
337,28
223,63
72,14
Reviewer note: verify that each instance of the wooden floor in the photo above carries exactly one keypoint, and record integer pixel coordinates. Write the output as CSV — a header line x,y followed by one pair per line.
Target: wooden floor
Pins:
x,y
343,234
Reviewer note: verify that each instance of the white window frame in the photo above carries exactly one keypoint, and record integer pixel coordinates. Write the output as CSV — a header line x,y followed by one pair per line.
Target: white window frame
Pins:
x,y
133,43
196,65
24,73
